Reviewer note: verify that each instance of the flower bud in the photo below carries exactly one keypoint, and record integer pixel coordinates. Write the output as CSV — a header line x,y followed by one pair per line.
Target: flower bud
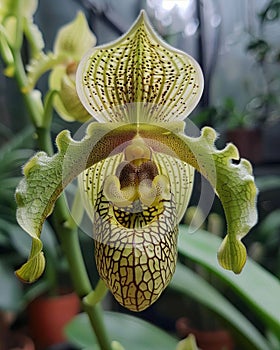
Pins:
x,y
67,103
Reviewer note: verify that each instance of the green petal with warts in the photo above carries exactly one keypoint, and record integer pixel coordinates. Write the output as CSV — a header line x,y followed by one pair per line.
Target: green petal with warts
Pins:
x,y
232,254
34,37
46,177
233,183
139,68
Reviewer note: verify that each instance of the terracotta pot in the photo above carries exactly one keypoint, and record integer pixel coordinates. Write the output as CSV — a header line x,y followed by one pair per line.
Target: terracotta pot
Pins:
x,y
206,340
18,341
15,340
48,316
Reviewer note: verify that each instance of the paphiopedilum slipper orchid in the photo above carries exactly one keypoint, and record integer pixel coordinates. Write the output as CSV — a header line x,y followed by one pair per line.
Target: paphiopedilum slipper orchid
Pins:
x,y
135,167
72,41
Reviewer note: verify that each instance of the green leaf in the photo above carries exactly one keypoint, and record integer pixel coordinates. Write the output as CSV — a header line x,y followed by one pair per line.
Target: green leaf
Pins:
x,y
256,286
131,332
192,285
10,288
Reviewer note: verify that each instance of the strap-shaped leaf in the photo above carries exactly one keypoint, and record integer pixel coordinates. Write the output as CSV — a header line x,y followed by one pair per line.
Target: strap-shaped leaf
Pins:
x,y
139,67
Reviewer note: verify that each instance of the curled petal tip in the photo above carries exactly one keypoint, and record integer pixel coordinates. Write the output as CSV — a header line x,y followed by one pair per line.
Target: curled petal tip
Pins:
x,y
209,133
32,269
232,254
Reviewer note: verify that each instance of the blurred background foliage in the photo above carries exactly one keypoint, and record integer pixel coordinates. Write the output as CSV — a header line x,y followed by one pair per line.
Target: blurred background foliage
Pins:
x,y
237,44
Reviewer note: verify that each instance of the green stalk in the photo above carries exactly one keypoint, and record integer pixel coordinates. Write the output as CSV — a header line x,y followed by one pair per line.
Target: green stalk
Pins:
x,y
71,247
67,232
95,315
70,244
69,239
36,115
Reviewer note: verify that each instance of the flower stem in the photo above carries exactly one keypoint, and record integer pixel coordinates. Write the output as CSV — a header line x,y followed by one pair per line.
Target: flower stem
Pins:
x,y
71,247
68,233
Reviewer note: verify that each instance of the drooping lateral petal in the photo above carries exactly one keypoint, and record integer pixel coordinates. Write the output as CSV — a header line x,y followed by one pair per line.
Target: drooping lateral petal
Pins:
x,y
139,67
35,265
233,183
46,177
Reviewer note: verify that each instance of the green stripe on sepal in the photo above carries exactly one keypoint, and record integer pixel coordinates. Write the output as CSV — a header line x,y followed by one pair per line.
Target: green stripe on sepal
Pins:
x,y
232,254
139,67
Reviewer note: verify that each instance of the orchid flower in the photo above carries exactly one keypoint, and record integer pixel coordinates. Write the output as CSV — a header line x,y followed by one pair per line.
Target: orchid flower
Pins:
x,y
9,30
72,41
135,167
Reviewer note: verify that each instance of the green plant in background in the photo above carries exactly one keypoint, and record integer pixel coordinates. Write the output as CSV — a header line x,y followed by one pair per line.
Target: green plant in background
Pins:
x,y
226,117
13,245
265,246
135,164
265,105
